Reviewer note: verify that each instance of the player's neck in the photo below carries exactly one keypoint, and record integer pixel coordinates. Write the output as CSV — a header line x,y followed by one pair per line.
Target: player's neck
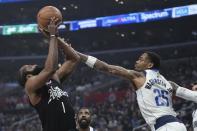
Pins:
x,y
87,129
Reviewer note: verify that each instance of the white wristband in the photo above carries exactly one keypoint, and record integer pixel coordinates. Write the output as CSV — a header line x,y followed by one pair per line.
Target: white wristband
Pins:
x,y
52,35
91,61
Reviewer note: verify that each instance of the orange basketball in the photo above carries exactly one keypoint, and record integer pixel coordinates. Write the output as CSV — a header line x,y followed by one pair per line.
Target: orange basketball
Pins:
x,y
45,14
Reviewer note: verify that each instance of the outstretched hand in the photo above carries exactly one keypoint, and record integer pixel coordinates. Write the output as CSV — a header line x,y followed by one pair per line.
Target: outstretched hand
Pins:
x,y
52,27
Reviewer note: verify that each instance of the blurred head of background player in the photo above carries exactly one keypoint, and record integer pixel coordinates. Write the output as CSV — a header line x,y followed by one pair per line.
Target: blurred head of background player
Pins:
x,y
84,118
148,60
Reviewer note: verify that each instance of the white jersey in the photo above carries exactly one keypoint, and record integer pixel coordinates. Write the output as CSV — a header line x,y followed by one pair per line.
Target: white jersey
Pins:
x,y
91,129
155,97
194,122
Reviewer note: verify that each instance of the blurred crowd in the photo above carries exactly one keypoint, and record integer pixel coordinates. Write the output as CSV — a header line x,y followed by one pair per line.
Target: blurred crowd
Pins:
x,y
75,10
114,38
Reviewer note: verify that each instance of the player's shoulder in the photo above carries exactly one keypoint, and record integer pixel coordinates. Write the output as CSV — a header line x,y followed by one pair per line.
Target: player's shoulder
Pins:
x,y
136,73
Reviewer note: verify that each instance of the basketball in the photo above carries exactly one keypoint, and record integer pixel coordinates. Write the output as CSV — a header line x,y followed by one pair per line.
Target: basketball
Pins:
x,y
45,14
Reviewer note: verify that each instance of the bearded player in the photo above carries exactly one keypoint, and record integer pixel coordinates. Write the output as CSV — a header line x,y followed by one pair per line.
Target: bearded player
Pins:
x,y
43,85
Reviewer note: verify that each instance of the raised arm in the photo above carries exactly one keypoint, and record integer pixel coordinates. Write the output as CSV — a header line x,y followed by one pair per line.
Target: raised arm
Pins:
x,y
71,60
111,69
184,92
37,81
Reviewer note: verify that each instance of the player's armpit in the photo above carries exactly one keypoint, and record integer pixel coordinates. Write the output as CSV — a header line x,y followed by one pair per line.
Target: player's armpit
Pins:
x,y
135,74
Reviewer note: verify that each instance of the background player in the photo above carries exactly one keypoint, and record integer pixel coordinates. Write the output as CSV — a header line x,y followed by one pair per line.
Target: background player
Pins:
x,y
83,119
42,85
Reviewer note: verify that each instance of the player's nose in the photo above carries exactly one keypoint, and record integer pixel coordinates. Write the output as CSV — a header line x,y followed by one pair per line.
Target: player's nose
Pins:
x,y
137,62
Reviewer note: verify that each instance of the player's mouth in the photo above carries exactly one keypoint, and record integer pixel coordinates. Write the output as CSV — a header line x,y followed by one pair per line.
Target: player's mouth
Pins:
x,y
83,120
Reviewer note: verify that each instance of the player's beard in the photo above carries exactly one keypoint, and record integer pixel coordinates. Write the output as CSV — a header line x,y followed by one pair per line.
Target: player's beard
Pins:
x,y
84,123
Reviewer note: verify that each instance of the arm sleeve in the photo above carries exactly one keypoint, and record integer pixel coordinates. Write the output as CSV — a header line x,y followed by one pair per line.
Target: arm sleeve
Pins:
x,y
186,94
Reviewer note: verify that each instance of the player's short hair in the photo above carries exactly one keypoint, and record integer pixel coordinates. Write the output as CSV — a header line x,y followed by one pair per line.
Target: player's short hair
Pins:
x,y
84,108
155,59
22,77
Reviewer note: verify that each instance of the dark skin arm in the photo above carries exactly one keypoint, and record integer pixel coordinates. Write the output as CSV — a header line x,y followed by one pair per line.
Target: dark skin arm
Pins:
x,y
71,58
137,78
36,82
174,86
71,61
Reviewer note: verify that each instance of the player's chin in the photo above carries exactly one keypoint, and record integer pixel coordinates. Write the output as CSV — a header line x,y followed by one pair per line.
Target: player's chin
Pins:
x,y
83,120
136,68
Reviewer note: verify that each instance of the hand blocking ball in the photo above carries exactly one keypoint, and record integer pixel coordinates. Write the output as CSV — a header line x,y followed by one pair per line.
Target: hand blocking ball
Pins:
x,y
45,14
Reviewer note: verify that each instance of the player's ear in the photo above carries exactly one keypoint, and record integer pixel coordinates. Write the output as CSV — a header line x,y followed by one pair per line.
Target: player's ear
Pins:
x,y
150,65
28,76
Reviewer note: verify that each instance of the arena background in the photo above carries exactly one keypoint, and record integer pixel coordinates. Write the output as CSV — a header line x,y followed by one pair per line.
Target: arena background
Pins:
x,y
111,99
